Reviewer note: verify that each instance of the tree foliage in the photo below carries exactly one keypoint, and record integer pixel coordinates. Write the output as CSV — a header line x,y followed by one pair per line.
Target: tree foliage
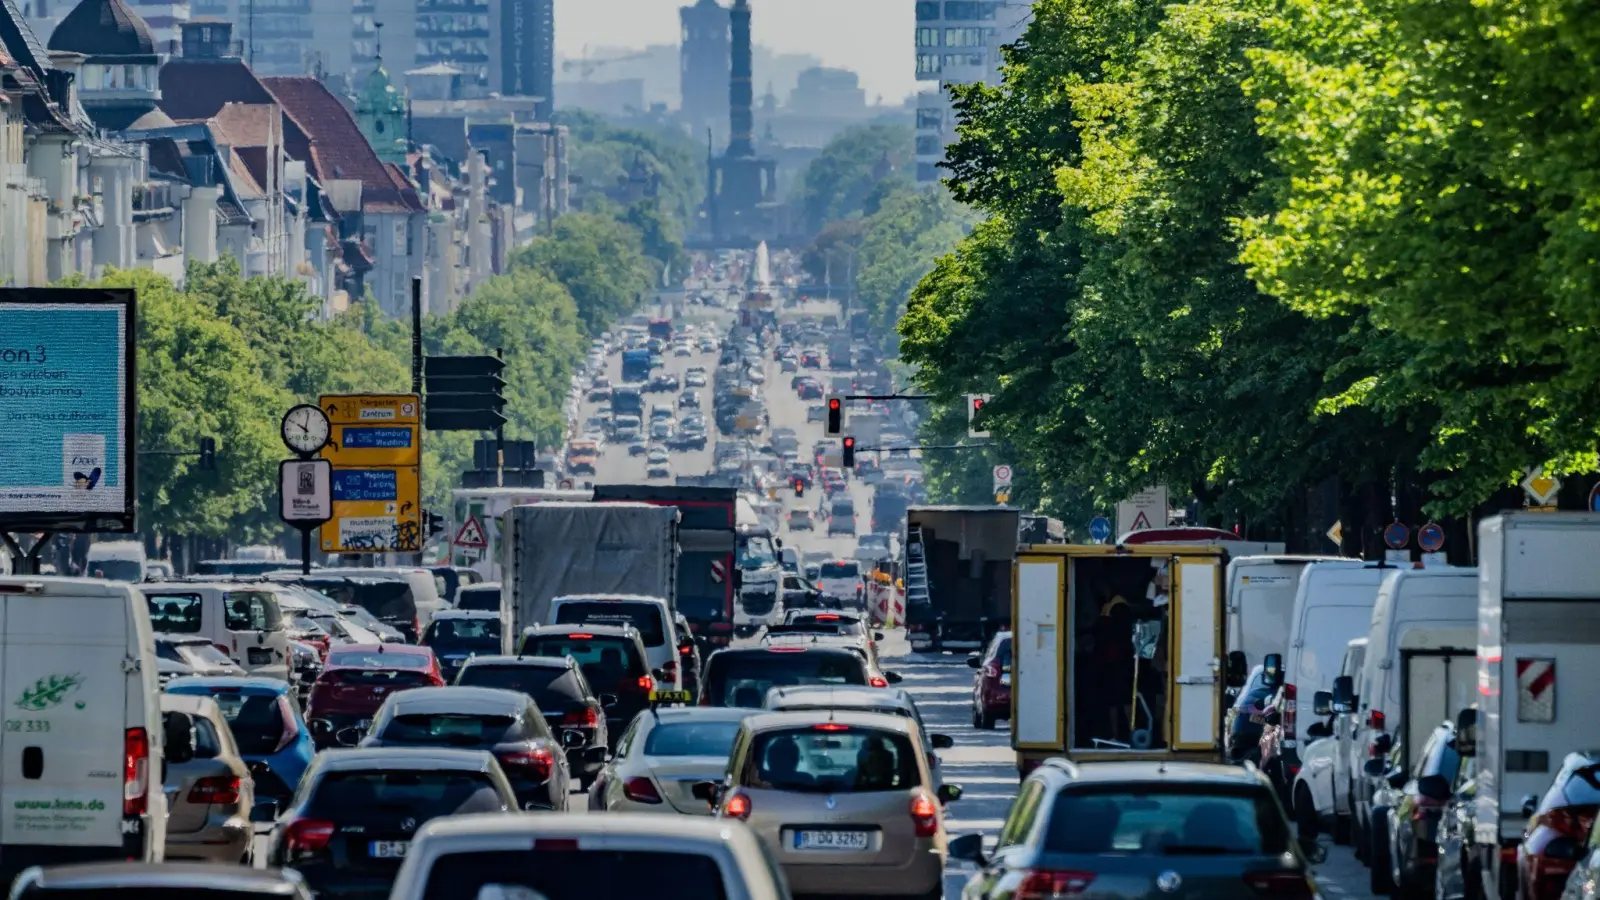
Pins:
x,y
599,259
846,178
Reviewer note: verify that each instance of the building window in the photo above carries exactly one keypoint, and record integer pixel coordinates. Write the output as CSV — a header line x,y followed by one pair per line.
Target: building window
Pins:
x,y
957,60
969,10
401,241
930,120
927,172
928,37
963,37
928,64
927,10
930,145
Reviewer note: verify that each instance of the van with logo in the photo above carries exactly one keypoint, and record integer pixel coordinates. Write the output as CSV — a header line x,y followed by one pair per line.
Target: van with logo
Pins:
x,y
81,743
242,619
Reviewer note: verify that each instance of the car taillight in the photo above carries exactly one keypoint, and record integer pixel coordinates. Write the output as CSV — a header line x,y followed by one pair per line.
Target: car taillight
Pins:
x,y
534,765
135,772
878,681
587,718
1375,720
669,668
1287,885
303,836
1287,712
1047,884
924,815
641,790
1566,822
226,650
737,806
686,650
1425,807
222,789
992,670
646,683
416,626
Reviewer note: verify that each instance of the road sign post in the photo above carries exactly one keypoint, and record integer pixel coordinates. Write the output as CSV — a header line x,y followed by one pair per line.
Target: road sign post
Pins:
x,y
376,455
1002,479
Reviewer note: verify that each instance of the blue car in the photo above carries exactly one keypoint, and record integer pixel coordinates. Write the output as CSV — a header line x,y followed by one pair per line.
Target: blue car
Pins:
x,y
267,726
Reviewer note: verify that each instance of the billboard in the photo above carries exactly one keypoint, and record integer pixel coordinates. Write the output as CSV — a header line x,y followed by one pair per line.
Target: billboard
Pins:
x,y
67,411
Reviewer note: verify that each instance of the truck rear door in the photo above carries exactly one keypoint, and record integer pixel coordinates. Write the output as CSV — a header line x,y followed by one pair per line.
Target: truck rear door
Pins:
x,y
1196,594
1039,654
1436,685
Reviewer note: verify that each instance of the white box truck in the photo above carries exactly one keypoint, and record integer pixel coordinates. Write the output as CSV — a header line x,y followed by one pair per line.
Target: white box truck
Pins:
x,y
1538,663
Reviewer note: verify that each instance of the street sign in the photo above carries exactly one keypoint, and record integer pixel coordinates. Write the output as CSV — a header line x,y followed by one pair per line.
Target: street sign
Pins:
x,y
471,535
1430,537
1336,534
1143,511
465,393
376,452
1594,498
1002,478
1100,529
1397,535
305,495
1541,488
1002,496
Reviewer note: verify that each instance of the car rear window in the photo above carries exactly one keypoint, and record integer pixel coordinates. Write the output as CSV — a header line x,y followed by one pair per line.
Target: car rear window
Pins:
x,y
1002,653
1203,820
1582,789
646,617
588,651
422,795
258,721
174,613
691,739
840,570
374,659
742,679
463,635
450,729
479,599
552,689
561,869
832,758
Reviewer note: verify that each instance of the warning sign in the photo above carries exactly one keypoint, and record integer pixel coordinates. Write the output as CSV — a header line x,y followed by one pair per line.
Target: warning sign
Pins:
x,y
719,571
1536,690
1143,511
471,534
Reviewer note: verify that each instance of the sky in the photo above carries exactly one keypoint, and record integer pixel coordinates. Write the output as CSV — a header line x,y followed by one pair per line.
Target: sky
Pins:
x,y
873,37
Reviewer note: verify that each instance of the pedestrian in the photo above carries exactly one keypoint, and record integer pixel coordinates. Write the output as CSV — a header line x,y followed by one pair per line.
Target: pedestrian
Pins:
x,y
1113,657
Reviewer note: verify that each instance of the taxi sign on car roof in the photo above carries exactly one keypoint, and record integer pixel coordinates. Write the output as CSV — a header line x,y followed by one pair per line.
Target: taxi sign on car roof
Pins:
x,y
658,698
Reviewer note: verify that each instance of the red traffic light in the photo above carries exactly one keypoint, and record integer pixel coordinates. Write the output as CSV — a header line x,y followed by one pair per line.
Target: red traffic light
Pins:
x,y
977,404
833,403
848,447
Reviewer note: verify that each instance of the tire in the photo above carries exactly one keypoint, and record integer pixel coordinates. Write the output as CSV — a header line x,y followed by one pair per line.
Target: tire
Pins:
x,y
1341,829
1359,838
585,782
1305,814
1381,882
986,721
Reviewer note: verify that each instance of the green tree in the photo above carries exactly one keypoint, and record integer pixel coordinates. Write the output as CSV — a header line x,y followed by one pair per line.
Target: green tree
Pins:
x,y
598,259
845,177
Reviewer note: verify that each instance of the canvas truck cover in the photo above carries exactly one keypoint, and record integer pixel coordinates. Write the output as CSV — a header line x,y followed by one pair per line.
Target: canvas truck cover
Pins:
x,y
706,539
554,549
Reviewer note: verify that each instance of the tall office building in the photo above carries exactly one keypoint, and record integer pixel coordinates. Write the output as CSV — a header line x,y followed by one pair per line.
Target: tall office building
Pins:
x,y
706,63
525,54
958,42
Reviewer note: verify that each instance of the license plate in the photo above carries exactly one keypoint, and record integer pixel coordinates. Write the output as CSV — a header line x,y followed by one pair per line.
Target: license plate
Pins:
x,y
1005,679
831,840
389,849
259,656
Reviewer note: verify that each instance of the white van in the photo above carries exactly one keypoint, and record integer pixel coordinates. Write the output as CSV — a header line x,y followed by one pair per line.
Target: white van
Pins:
x,y
1421,668
1322,789
81,750
117,561
242,619
1261,593
650,615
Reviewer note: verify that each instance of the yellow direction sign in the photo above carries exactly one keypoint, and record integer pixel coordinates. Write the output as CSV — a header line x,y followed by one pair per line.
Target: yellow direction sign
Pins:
x,y
1541,488
1336,533
376,452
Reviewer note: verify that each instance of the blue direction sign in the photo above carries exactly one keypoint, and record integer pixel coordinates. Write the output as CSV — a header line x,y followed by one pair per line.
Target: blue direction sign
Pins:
x,y
1430,537
1100,529
1397,535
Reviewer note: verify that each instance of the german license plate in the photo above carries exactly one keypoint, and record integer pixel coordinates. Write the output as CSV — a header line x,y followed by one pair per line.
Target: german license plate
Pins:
x,y
831,840
259,656
389,849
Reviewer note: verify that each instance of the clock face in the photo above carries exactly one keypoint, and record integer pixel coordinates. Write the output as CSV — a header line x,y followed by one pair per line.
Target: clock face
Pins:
x,y
305,429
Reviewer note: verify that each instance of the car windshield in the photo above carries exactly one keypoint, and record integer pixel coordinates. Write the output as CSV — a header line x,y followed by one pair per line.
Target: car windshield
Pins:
x,y
479,599
447,728
755,552
743,679
390,601
258,721
1175,820
475,635
841,570
251,611
646,617
117,570
691,739
543,683
832,758
420,795
563,871
607,661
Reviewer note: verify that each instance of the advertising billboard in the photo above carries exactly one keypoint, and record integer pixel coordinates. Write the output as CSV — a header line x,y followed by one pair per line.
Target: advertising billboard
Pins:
x,y
67,409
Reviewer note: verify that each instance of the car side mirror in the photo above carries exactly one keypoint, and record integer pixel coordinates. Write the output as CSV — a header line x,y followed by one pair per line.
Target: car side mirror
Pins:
x,y
893,677
968,847
1238,669
941,741
1272,670
877,635
347,737
1322,703
950,793
1372,768
706,790
1467,732
1530,805
1344,695
1382,744
1318,730
571,738
974,660
1396,777
607,701
1434,787
321,729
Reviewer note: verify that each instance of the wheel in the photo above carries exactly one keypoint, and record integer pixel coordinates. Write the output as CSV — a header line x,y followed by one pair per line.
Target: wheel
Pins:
x,y
1359,838
1341,829
1305,814
1381,881
585,782
986,720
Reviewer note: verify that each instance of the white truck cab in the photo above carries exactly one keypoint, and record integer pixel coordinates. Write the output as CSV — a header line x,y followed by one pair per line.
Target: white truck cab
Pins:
x,y
81,748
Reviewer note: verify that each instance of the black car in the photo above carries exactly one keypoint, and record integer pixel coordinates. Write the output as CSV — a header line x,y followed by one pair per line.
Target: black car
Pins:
x,y
505,723
613,661
689,662
356,811
741,676
1141,830
456,635
390,599
564,697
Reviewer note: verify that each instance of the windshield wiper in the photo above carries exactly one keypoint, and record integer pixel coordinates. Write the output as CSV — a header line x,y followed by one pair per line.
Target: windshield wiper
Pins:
x,y
1195,850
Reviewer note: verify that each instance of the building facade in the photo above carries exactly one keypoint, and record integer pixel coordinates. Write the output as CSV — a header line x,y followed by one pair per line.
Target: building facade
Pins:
x,y
957,42
704,66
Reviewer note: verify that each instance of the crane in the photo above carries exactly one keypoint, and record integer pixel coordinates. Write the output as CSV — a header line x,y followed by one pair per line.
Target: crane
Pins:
x,y
586,66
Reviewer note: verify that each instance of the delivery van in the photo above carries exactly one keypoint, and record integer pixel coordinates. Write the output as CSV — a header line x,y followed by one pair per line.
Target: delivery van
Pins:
x,y
81,749
1261,593
116,561
241,619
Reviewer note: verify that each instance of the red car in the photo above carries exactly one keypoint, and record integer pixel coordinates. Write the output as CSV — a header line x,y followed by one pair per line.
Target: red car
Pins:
x,y
991,686
356,681
1558,828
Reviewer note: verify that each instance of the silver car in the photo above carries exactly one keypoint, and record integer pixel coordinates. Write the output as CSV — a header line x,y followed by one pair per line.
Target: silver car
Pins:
x,y
208,786
894,701
661,757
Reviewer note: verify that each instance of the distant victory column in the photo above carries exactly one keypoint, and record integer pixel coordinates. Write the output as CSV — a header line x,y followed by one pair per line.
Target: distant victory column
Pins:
x,y
741,194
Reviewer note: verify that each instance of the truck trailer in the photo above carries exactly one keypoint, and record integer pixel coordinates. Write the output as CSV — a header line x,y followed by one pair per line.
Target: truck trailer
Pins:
x,y
957,561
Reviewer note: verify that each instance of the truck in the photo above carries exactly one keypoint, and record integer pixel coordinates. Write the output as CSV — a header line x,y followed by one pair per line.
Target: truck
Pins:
x,y
840,353
1078,691
475,522
1538,633
627,401
707,539
556,549
661,328
635,366
957,561
760,572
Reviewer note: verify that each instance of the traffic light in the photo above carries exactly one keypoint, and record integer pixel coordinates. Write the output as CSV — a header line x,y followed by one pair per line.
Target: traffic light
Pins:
x,y
975,405
799,487
208,454
835,416
435,522
464,393
848,453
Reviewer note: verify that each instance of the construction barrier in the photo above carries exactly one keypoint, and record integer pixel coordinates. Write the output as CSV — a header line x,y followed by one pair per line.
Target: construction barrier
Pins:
x,y
886,601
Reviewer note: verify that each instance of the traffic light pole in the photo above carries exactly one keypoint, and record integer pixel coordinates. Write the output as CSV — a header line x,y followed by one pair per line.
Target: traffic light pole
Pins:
x,y
416,336
500,440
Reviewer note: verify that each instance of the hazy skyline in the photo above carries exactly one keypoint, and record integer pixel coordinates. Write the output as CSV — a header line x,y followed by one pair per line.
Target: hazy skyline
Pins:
x,y
873,37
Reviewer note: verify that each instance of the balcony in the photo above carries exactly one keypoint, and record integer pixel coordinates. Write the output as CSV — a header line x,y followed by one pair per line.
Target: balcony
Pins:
x,y
156,199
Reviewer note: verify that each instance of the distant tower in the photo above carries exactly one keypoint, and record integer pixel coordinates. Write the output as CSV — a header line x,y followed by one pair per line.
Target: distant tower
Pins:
x,y
704,64
741,93
743,196
381,113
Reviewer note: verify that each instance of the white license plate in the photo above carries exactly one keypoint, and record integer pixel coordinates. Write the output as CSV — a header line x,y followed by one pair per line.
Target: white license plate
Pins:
x,y
388,849
831,840
1005,679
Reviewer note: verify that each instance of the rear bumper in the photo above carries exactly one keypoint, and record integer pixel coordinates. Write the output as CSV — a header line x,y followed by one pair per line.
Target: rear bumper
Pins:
x,y
227,843
920,876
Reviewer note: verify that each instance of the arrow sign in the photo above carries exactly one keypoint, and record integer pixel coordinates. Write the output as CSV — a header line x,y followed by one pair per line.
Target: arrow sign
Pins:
x,y
1541,488
1100,529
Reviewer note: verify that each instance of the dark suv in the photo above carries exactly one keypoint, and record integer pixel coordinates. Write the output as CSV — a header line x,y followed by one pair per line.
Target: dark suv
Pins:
x,y
613,661
1140,829
569,705
740,677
